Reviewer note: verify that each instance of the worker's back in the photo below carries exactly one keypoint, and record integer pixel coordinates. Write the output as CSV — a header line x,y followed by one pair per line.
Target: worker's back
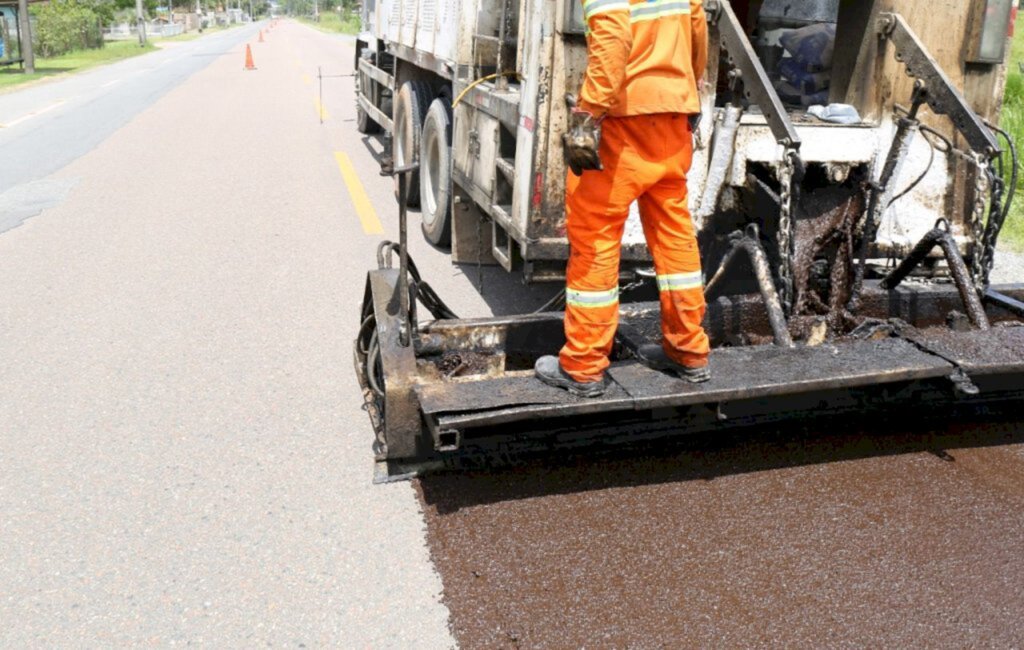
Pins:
x,y
665,45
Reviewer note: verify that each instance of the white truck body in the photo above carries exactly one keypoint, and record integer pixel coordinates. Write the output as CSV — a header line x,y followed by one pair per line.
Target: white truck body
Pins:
x,y
507,169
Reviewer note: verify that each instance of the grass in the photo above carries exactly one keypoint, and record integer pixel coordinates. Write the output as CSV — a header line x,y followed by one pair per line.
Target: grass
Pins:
x,y
1012,120
335,23
73,62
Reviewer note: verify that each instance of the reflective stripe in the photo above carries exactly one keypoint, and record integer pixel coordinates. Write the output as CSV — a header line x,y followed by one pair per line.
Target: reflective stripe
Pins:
x,y
591,299
593,7
680,281
654,9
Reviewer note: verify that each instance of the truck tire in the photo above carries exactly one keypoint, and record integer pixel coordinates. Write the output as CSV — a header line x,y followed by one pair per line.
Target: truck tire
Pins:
x,y
364,123
411,105
436,173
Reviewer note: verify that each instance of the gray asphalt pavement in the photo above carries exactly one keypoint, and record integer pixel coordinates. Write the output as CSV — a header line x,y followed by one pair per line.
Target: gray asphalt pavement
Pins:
x,y
183,456
49,124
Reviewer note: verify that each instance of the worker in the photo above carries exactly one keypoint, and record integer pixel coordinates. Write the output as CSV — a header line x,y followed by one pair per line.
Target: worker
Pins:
x,y
630,138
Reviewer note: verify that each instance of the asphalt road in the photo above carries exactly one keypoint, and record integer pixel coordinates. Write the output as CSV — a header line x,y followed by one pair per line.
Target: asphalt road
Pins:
x,y
183,456
184,459
47,125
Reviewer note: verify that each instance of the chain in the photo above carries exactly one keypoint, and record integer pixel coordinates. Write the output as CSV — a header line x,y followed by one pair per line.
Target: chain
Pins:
x,y
786,231
995,224
976,222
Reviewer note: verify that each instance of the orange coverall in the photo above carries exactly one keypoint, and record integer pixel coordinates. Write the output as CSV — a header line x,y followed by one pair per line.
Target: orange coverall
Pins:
x,y
645,59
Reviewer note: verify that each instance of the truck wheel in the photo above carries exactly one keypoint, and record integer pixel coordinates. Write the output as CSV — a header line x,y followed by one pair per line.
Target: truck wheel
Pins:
x,y
364,123
411,105
436,173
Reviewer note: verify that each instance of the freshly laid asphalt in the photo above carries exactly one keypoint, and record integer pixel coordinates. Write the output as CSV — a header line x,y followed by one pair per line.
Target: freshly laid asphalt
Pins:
x,y
184,457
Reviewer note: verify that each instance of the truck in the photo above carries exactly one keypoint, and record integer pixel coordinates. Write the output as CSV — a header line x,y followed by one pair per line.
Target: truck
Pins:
x,y
849,184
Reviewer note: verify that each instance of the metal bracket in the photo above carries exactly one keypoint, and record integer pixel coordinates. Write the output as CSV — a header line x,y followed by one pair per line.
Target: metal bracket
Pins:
x,y
939,92
749,242
940,236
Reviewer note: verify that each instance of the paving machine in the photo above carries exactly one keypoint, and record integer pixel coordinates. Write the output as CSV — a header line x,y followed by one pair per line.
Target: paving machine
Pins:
x,y
818,303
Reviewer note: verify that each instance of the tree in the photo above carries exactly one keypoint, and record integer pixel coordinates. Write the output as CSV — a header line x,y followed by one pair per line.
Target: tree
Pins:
x,y
27,55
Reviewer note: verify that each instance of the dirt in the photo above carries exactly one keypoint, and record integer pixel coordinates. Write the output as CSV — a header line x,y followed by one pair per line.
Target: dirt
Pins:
x,y
789,538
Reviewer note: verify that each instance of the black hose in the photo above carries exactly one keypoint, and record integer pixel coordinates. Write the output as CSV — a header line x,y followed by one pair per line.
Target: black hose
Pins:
x,y
372,363
1013,170
424,292
557,303
370,320
928,167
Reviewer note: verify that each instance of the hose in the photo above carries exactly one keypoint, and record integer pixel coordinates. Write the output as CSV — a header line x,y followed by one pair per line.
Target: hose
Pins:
x,y
1013,170
481,80
372,365
557,303
424,292
928,167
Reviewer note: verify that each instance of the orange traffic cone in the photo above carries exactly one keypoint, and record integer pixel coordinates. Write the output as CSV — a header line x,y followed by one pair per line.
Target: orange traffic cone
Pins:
x,y
261,36
248,58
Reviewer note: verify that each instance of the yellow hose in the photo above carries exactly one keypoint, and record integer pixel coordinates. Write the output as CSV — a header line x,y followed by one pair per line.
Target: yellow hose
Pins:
x,y
480,81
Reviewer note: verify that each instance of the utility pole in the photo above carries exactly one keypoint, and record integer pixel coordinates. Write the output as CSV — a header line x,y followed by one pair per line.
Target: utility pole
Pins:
x,y
25,27
140,23
199,15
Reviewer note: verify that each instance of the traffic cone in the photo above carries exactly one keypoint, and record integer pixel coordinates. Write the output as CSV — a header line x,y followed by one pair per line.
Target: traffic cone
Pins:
x,y
249,65
261,36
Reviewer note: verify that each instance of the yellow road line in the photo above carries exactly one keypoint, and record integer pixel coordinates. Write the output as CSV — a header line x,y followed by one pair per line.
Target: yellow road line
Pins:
x,y
306,79
364,209
321,110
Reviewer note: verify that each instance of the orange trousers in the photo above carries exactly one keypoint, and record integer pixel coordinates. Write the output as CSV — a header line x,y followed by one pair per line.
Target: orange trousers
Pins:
x,y
646,159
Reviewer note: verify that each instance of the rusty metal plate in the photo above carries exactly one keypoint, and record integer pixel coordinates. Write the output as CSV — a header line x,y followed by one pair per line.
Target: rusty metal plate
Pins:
x,y
739,373
766,371
497,393
999,350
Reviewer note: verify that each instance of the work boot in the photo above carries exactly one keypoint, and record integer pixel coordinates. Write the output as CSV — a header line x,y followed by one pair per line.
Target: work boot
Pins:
x,y
549,371
653,356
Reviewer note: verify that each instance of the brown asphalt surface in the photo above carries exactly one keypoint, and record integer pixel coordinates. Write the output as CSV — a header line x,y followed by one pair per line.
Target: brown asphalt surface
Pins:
x,y
788,539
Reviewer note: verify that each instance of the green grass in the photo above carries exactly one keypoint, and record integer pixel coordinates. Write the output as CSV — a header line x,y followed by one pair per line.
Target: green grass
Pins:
x,y
1012,120
335,23
73,62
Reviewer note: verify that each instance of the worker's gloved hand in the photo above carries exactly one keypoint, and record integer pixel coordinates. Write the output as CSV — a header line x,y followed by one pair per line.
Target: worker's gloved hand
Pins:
x,y
694,120
582,140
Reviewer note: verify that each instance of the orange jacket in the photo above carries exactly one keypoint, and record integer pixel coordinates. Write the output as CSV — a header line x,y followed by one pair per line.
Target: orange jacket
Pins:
x,y
644,56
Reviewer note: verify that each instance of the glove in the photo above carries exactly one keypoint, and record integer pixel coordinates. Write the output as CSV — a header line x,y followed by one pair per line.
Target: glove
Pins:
x,y
694,120
582,140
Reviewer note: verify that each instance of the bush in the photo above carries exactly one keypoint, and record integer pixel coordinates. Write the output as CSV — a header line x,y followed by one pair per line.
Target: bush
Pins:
x,y
66,25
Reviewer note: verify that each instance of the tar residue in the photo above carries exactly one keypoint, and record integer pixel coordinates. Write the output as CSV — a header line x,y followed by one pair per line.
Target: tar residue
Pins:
x,y
826,233
810,539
